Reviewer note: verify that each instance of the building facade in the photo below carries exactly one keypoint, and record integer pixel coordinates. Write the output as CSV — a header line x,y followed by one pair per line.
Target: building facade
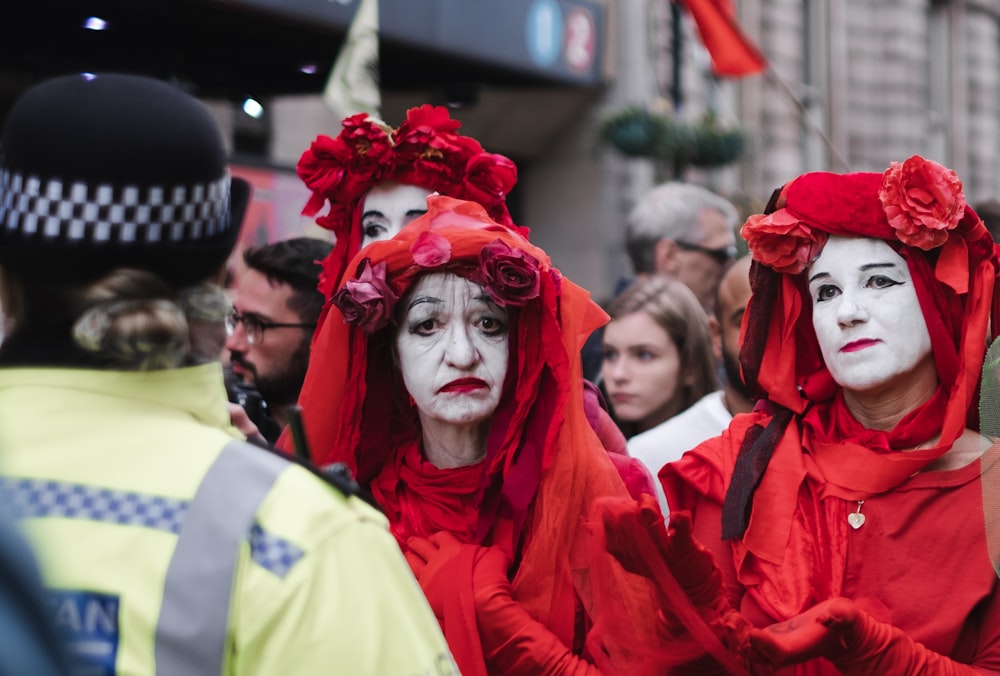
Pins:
x,y
851,86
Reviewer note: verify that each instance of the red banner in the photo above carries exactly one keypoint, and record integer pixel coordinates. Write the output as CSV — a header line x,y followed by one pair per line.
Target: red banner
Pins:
x,y
732,52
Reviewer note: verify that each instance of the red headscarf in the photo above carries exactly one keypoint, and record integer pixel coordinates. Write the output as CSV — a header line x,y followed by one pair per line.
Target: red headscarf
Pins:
x,y
544,465
918,208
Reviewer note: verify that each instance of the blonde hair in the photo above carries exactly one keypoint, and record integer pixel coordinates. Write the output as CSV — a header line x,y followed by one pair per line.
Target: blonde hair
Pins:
x,y
130,320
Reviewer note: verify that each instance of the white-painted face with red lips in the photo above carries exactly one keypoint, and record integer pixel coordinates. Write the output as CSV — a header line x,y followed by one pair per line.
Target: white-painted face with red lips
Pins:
x,y
452,346
866,314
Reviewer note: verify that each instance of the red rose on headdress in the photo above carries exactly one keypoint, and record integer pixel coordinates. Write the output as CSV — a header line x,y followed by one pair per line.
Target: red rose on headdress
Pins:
x,y
343,168
489,177
338,218
368,300
430,250
923,200
781,241
428,119
427,150
509,275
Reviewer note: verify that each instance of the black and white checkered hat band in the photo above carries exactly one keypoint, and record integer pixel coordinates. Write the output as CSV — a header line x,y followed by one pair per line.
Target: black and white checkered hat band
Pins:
x,y
83,212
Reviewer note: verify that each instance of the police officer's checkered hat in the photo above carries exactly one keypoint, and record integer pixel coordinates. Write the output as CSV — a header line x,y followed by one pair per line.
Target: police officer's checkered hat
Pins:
x,y
110,170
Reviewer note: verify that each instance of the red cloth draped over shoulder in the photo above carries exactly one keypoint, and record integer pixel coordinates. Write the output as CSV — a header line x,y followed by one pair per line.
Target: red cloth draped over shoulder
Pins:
x,y
774,561
544,464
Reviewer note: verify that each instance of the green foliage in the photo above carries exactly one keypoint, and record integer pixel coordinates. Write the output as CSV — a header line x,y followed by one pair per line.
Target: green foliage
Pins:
x,y
713,146
637,131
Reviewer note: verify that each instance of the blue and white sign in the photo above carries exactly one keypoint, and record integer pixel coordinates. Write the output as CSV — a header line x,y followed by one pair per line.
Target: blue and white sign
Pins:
x,y
88,622
544,32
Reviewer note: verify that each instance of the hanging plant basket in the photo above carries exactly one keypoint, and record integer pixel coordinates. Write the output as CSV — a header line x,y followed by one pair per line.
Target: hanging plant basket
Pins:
x,y
713,146
633,131
637,131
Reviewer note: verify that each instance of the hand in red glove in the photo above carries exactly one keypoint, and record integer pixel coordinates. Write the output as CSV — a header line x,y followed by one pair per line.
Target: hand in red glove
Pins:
x,y
513,642
690,562
434,562
489,575
839,630
683,573
824,630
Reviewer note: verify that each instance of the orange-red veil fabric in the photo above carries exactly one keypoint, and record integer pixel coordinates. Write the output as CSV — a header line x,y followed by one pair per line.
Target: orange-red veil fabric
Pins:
x,y
544,465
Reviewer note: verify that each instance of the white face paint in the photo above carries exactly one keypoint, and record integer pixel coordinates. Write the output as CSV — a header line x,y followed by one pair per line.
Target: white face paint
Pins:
x,y
388,207
452,347
866,315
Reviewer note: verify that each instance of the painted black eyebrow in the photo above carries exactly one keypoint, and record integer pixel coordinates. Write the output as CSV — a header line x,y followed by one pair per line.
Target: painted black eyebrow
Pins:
x,y
864,268
409,212
420,300
482,298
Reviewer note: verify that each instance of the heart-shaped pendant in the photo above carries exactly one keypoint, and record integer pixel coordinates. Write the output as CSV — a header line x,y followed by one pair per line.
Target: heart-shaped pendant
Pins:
x,y
856,519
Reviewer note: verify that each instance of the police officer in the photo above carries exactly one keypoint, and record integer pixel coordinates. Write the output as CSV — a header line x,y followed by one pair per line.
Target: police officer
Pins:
x,y
168,544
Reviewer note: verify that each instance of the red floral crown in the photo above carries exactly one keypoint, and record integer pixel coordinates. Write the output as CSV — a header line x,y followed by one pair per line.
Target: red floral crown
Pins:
x,y
919,203
425,151
509,275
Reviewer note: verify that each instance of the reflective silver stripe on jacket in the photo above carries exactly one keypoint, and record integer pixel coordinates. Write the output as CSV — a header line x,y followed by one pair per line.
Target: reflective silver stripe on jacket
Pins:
x,y
194,618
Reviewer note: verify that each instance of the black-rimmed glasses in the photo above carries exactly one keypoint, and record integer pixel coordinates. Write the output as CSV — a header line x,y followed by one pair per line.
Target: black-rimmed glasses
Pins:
x,y
723,255
255,327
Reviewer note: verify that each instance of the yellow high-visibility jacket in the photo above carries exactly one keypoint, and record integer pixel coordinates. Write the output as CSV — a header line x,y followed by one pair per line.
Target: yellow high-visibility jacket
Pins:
x,y
169,546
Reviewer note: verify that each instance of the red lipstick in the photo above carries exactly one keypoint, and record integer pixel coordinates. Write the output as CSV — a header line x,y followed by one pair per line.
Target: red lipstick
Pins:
x,y
858,345
465,385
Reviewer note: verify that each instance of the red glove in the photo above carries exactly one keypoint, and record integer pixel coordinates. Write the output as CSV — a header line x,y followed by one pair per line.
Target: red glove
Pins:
x,y
513,642
690,562
686,579
433,561
839,630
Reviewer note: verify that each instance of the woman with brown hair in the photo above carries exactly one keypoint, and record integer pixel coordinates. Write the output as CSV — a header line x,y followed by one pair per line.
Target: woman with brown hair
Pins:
x,y
657,353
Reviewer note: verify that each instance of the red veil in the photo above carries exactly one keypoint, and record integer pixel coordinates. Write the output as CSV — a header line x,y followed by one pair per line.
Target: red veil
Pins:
x,y
544,466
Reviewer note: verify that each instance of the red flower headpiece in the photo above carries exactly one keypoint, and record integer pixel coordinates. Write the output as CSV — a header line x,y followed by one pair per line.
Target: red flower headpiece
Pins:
x,y
509,275
367,300
919,209
919,202
781,241
922,200
425,150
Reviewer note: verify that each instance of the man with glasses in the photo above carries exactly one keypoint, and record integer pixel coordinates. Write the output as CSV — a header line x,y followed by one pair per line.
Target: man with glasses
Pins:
x,y
686,231
275,309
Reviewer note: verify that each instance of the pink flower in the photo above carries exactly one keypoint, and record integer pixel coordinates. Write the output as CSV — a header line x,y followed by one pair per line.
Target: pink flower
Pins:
x,y
781,241
509,275
430,250
923,200
368,300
